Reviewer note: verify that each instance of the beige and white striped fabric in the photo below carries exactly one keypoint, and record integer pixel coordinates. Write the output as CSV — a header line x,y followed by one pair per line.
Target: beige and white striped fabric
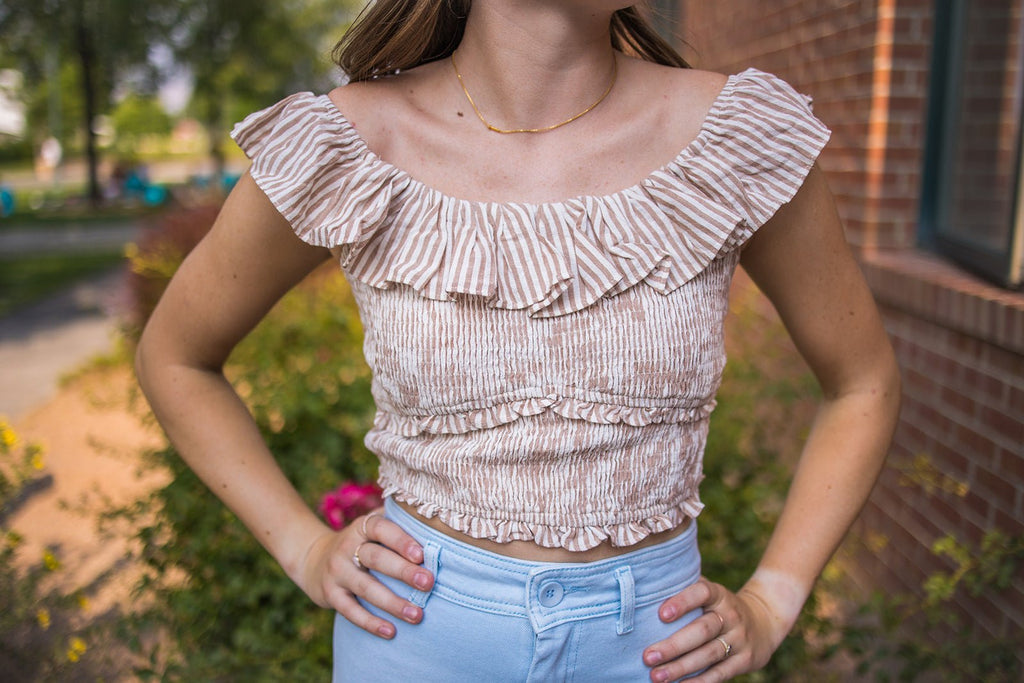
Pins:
x,y
542,372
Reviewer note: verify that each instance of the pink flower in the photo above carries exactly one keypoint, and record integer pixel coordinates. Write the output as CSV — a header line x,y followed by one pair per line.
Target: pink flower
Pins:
x,y
348,501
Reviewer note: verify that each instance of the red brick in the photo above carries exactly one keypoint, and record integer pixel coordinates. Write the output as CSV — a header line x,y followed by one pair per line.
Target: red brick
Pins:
x,y
1011,465
996,490
1005,364
959,386
1011,525
1001,425
957,400
983,385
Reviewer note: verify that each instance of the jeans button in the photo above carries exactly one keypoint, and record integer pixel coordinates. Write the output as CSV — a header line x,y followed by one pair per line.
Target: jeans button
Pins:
x,y
551,593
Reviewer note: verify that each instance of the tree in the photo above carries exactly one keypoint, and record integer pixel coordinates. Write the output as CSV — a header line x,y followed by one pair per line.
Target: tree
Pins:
x,y
106,40
135,117
243,59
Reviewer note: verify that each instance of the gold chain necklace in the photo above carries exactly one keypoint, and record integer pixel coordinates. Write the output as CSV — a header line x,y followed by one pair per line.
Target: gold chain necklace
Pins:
x,y
504,131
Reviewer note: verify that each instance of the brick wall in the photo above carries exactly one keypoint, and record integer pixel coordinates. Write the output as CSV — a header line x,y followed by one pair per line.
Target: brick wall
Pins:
x,y
957,463
867,87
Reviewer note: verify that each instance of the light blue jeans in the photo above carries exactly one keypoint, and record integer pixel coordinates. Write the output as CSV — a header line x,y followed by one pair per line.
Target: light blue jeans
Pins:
x,y
495,618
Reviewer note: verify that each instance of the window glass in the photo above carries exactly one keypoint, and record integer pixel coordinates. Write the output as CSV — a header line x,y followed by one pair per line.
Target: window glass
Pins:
x,y
976,156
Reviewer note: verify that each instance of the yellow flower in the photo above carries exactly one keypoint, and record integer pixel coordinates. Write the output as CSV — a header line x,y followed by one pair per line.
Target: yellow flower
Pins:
x,y
43,617
76,648
7,436
51,561
37,461
83,601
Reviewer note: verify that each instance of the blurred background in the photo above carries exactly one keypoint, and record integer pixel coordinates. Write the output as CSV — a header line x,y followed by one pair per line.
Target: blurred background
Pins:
x,y
117,564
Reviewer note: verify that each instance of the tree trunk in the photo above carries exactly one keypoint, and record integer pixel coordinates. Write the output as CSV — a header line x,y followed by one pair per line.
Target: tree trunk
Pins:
x,y
215,135
87,61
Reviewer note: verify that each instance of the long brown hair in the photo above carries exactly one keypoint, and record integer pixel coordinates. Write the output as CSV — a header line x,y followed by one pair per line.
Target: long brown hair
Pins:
x,y
392,35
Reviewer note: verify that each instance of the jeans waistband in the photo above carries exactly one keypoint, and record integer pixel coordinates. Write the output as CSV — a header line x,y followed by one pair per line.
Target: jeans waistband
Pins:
x,y
550,593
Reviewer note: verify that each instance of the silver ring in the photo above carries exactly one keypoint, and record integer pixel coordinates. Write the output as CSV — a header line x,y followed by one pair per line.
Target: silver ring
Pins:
x,y
727,646
367,519
355,556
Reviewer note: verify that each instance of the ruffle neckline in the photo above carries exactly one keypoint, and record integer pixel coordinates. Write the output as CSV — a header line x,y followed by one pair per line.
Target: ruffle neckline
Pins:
x,y
551,258
575,538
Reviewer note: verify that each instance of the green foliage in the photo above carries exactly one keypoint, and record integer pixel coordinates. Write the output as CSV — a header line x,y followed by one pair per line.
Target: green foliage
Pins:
x,y
242,61
102,43
753,441
15,150
906,637
991,566
230,611
136,117
38,640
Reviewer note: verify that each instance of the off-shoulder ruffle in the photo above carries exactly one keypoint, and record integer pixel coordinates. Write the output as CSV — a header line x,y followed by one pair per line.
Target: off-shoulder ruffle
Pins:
x,y
756,146
573,408
573,538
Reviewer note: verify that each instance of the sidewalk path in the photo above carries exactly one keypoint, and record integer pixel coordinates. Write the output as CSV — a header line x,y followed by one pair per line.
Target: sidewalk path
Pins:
x,y
93,437
69,237
42,341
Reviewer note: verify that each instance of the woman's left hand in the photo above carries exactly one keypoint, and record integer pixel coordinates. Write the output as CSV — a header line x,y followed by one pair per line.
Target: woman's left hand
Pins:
x,y
736,634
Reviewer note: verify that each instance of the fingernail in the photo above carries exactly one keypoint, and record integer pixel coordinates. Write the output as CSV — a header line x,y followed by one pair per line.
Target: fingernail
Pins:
x,y
421,580
416,553
668,613
387,630
661,675
653,657
410,613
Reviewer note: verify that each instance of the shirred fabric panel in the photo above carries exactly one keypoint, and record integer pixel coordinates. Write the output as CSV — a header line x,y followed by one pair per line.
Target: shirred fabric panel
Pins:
x,y
542,372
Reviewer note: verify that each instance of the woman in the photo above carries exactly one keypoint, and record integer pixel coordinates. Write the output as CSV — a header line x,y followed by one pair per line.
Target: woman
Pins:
x,y
546,344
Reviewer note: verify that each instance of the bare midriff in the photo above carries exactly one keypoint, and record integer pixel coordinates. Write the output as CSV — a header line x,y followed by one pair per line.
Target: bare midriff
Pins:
x,y
527,550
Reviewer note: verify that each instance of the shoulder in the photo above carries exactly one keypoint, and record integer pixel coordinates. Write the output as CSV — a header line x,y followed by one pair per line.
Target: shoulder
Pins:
x,y
376,106
676,102
696,86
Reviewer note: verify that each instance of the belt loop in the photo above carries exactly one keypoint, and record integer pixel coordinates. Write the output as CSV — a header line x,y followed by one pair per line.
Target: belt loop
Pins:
x,y
431,562
627,600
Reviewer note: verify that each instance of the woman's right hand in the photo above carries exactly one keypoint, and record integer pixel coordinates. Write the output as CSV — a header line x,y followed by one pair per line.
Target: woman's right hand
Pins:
x,y
331,578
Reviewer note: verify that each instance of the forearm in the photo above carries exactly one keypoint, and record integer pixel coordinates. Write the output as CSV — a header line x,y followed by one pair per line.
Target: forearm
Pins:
x,y
840,463
214,433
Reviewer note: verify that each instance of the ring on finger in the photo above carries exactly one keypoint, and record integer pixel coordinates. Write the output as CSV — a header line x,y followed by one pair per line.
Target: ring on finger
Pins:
x,y
365,520
355,556
720,618
726,646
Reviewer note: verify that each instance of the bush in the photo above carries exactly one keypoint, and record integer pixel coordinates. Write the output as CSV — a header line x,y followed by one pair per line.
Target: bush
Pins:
x,y
230,612
925,634
39,639
765,405
16,150
155,258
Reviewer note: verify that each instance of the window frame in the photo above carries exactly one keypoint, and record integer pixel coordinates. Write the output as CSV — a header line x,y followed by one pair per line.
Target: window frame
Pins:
x,y
1003,264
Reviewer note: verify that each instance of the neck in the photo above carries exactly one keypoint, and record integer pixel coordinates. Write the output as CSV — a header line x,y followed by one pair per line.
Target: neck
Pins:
x,y
531,64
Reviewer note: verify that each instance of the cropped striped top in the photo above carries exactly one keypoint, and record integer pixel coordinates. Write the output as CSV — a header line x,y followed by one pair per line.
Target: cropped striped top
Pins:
x,y
542,372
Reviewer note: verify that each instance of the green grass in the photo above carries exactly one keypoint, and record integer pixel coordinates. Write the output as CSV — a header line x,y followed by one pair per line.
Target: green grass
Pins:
x,y
80,215
28,278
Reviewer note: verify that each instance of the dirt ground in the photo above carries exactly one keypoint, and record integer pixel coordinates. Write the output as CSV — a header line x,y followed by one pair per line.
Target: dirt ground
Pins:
x,y
93,434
